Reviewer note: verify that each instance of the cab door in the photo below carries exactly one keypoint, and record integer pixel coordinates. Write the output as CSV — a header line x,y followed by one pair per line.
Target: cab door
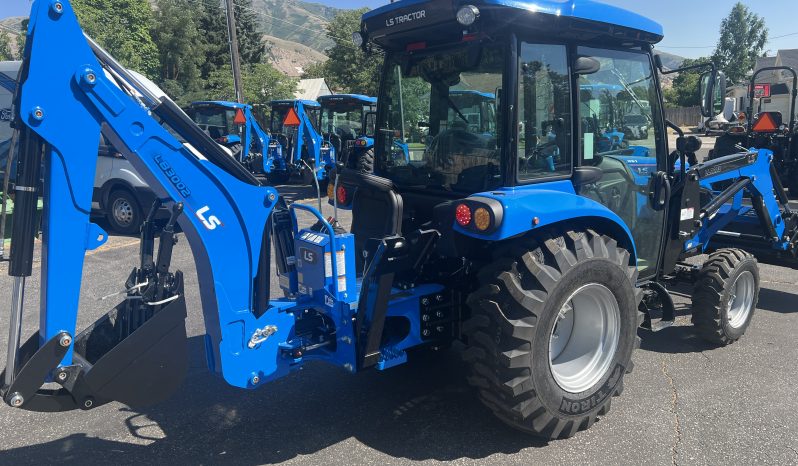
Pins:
x,y
624,92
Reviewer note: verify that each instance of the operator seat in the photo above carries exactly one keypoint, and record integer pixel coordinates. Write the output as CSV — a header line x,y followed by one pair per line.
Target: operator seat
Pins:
x,y
376,209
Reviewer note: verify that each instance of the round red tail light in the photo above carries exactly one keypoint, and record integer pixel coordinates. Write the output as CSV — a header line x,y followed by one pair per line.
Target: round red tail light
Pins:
x,y
341,195
463,215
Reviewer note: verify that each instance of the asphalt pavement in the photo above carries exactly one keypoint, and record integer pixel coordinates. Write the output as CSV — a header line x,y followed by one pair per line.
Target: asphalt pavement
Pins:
x,y
685,403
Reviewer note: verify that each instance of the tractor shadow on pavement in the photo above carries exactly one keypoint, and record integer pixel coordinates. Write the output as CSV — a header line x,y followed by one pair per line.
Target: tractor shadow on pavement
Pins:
x,y
420,411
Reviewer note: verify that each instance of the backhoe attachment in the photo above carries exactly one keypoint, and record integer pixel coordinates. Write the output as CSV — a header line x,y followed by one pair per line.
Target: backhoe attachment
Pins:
x,y
70,90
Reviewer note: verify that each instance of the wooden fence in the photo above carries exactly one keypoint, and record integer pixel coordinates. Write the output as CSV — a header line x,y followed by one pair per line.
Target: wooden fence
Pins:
x,y
684,116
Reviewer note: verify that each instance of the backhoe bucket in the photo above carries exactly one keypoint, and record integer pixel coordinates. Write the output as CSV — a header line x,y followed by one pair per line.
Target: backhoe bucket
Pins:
x,y
125,356
145,367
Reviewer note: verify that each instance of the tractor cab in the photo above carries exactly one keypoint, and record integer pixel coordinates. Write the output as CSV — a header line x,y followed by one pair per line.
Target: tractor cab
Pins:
x,y
498,101
234,126
296,137
347,122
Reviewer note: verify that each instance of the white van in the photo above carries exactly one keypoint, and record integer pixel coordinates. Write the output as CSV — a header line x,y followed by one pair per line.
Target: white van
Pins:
x,y
120,194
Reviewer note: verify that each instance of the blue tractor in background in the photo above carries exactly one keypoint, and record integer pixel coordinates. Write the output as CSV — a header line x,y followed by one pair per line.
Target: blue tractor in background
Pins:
x,y
540,251
347,123
297,139
234,126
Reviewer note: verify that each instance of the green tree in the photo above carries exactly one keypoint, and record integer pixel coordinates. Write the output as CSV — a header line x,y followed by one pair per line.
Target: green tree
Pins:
x,y
262,84
250,40
684,92
348,69
5,47
22,38
213,34
743,36
180,50
123,28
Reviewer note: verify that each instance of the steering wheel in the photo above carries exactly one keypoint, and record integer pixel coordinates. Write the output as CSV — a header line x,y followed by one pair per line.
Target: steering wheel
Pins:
x,y
528,163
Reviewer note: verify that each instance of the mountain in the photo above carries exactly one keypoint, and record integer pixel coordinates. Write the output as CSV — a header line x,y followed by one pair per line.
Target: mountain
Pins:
x,y
669,60
295,21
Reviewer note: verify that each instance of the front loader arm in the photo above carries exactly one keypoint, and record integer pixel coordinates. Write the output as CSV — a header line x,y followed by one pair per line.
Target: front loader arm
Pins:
x,y
67,98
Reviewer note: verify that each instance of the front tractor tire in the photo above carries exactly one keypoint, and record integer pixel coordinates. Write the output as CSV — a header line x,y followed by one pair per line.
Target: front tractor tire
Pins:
x,y
725,296
552,331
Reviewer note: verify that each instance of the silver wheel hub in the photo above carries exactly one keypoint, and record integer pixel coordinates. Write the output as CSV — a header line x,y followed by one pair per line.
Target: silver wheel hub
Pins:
x,y
741,299
122,212
585,338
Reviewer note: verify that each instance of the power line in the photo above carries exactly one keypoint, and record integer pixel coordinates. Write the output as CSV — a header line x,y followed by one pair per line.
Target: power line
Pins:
x,y
713,46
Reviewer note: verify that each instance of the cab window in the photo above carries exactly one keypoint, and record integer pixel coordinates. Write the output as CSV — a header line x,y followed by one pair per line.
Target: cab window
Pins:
x,y
544,112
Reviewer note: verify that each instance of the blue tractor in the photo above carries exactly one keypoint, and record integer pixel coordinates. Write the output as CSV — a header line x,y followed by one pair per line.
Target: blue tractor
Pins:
x,y
297,139
347,122
233,125
544,274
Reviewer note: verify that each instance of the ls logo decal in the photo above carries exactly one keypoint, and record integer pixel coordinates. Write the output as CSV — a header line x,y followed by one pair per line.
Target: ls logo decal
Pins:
x,y
211,221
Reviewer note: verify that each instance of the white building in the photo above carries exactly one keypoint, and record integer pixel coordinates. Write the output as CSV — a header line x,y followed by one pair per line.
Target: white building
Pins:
x,y
312,89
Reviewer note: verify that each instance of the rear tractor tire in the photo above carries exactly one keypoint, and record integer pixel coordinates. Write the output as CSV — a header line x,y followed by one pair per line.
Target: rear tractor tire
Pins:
x,y
552,331
725,296
365,162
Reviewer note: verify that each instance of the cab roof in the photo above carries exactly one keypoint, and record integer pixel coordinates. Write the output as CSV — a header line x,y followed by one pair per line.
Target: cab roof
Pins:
x,y
605,20
283,103
220,103
365,100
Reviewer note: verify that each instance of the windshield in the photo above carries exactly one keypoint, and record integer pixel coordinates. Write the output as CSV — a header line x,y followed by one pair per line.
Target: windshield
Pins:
x,y
347,123
440,122
479,108
217,122
278,117
314,115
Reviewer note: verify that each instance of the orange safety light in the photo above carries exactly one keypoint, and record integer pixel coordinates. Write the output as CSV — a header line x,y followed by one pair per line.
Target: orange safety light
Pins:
x,y
291,119
765,124
240,119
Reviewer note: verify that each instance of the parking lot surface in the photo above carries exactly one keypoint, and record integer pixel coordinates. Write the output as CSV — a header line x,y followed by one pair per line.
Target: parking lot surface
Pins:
x,y
685,403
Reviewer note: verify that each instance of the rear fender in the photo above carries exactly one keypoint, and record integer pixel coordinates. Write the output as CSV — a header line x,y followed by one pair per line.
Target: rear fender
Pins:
x,y
538,207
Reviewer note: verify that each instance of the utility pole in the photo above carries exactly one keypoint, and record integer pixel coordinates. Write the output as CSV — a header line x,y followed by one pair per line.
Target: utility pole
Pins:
x,y
232,38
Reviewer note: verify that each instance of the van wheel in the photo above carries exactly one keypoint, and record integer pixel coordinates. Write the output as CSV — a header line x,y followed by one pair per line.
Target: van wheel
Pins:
x,y
123,212
725,296
553,327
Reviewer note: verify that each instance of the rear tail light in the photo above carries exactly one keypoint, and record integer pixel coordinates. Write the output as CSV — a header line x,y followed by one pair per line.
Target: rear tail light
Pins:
x,y
479,214
330,190
482,219
463,215
341,195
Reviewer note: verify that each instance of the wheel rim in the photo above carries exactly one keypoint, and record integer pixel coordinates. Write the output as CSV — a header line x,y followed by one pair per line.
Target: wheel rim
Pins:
x,y
741,299
585,338
122,211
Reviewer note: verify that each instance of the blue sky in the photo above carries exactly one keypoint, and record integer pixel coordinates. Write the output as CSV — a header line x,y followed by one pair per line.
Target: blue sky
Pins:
x,y
691,26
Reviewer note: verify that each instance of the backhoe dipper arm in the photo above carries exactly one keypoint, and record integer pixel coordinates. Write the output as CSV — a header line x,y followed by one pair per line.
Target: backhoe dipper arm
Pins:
x,y
70,91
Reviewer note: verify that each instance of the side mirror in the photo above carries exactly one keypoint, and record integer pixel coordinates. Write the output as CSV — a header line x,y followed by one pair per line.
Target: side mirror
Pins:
x,y
712,88
586,65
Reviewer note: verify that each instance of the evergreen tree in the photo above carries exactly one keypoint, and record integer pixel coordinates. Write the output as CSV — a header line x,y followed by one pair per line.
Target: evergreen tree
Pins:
x,y
250,40
123,28
212,26
180,50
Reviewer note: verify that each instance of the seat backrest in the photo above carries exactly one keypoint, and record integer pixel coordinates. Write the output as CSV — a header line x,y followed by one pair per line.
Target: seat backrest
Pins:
x,y
376,209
